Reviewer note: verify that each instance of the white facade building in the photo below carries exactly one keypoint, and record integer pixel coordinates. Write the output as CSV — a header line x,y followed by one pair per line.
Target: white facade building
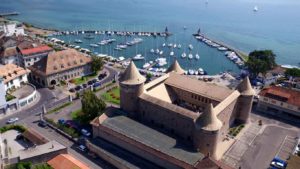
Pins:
x,y
13,76
11,28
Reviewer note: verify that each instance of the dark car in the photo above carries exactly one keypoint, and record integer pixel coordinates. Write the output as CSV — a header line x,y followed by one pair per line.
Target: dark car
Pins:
x,y
42,123
77,88
72,90
90,82
97,84
84,85
94,80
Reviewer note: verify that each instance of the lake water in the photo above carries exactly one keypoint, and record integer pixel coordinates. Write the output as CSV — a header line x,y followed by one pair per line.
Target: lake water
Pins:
x,y
275,26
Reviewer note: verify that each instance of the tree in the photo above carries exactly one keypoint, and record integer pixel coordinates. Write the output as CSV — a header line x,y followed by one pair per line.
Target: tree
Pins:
x,y
92,107
97,64
261,61
293,72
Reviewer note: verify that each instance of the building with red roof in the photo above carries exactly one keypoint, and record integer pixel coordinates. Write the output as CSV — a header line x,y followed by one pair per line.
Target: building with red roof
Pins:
x,y
279,100
32,55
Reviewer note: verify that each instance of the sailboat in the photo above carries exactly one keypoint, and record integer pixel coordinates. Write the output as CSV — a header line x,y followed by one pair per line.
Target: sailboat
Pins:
x,y
152,51
137,56
197,56
183,55
190,56
146,65
255,9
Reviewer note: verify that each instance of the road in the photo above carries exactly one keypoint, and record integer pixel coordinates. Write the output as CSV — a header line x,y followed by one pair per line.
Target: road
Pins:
x,y
29,118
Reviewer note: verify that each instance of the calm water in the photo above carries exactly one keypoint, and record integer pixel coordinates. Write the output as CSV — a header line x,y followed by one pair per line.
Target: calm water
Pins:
x,y
275,26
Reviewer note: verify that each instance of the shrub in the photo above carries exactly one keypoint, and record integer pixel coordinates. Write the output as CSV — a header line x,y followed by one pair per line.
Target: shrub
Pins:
x,y
24,165
12,127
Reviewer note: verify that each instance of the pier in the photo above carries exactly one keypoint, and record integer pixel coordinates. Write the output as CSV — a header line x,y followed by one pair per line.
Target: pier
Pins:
x,y
239,53
9,14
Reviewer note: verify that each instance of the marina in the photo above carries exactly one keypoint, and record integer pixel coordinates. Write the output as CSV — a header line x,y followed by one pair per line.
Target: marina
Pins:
x,y
151,51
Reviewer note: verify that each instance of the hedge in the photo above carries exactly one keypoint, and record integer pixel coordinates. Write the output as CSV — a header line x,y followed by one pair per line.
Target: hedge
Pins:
x,y
12,127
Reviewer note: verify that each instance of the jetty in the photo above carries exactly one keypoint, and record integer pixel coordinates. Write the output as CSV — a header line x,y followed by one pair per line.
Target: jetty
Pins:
x,y
9,14
239,53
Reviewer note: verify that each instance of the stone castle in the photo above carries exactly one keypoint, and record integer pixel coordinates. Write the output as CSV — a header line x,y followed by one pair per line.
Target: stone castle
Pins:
x,y
197,113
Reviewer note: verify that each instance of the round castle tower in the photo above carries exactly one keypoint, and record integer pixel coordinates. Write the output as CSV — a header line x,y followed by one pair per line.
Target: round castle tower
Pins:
x,y
131,87
245,100
206,134
175,67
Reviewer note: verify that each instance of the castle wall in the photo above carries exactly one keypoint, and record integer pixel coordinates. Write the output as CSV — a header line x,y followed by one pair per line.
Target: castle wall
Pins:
x,y
166,119
206,142
244,108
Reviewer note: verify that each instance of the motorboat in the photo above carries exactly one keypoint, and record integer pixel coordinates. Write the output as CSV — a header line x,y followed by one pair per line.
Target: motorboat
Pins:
x,y
157,51
170,45
163,45
161,61
190,56
121,58
171,53
175,45
191,47
197,56
222,48
94,45
146,65
152,51
183,55
191,72
161,52
201,71
122,46
78,41
138,57
117,48
179,46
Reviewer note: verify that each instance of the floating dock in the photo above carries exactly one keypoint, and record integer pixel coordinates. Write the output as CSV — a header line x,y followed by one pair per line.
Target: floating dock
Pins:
x,y
9,14
119,33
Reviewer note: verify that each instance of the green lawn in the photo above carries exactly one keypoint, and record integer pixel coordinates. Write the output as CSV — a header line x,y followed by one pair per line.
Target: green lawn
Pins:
x,y
112,96
75,114
84,79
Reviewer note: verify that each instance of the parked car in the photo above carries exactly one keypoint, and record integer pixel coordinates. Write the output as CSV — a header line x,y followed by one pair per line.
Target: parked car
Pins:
x,y
90,82
82,148
84,85
12,120
77,88
42,123
72,90
85,132
61,121
94,80
97,84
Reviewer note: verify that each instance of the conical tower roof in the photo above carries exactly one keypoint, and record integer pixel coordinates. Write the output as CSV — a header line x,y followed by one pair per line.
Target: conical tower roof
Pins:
x,y
175,67
245,87
208,120
132,76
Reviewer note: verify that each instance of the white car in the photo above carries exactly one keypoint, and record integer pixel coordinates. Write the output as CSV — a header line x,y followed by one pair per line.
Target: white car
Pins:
x,y
85,133
82,148
12,120
277,164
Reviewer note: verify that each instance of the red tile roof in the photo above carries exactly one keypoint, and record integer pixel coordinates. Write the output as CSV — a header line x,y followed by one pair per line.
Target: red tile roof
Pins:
x,y
38,49
289,96
66,161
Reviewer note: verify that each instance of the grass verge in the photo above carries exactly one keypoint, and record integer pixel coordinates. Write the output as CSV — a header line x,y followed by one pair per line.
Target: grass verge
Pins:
x,y
112,96
60,107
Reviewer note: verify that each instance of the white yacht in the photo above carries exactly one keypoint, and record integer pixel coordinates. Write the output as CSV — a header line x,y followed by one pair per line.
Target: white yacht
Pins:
x,y
222,48
146,65
163,45
94,45
191,72
138,57
78,41
161,52
197,56
191,47
152,51
179,46
175,45
183,55
201,71
157,51
161,62
121,58
171,53
190,56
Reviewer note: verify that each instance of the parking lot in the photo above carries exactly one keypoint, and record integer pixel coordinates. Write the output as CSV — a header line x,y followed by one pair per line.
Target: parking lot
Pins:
x,y
287,147
233,156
